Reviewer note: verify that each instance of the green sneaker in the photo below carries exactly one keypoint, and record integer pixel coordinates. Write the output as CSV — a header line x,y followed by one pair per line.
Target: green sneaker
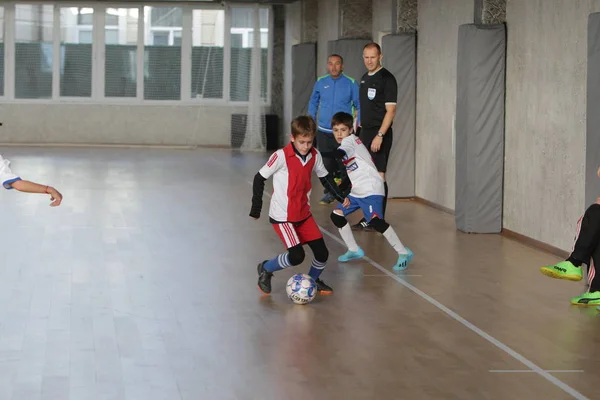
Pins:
x,y
587,299
563,270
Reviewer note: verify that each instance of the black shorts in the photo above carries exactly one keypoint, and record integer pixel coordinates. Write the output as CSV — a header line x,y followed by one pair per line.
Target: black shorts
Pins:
x,y
326,143
380,158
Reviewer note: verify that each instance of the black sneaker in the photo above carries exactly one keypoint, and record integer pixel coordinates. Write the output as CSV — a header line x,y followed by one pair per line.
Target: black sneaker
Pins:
x,y
363,225
323,288
264,278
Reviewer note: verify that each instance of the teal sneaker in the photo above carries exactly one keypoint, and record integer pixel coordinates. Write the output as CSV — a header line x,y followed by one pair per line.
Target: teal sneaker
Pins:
x,y
351,255
587,299
403,260
563,270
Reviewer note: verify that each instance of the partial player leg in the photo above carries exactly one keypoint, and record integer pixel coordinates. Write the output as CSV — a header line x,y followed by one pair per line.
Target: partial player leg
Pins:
x,y
321,254
592,296
339,220
292,257
381,161
366,137
372,207
586,242
405,255
310,234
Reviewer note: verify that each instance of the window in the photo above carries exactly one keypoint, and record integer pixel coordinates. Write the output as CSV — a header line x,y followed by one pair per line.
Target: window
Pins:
x,y
208,38
75,53
120,64
162,53
33,51
242,44
105,52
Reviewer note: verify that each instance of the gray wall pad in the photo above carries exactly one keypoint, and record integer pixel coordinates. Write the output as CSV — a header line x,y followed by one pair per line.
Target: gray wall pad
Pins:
x,y
400,57
480,127
592,147
351,51
304,66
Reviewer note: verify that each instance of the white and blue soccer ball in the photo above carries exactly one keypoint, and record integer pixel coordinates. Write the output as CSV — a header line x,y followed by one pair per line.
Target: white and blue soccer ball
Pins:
x,y
301,289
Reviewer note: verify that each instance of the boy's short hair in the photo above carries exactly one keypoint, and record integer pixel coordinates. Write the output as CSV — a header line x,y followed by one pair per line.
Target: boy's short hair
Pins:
x,y
304,125
342,118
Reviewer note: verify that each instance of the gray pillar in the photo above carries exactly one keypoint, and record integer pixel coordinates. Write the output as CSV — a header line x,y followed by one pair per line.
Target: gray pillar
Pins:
x,y
310,21
356,19
405,20
278,62
490,11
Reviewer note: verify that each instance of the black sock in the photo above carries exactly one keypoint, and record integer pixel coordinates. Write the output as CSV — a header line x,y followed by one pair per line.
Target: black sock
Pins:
x,y
385,187
575,262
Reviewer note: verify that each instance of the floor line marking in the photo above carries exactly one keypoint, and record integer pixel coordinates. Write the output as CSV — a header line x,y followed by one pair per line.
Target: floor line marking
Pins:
x,y
550,371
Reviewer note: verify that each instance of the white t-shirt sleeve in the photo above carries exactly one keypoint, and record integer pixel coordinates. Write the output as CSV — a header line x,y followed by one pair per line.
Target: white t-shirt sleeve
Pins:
x,y
275,162
6,175
319,167
347,146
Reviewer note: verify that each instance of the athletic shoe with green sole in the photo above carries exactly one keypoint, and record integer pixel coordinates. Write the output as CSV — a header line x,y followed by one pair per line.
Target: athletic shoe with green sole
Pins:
x,y
587,299
563,270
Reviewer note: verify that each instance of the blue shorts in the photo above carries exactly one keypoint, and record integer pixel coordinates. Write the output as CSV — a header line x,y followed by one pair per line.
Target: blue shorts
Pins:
x,y
371,206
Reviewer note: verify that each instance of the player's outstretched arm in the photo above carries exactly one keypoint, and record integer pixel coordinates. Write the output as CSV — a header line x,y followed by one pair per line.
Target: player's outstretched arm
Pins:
x,y
32,187
345,185
330,185
258,187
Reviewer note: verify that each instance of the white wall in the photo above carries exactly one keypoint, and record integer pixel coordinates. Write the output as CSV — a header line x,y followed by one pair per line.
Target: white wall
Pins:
x,y
436,96
293,36
117,124
383,15
329,21
545,118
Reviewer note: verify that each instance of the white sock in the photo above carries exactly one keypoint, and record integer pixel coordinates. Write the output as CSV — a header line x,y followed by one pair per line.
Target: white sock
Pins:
x,y
394,241
348,237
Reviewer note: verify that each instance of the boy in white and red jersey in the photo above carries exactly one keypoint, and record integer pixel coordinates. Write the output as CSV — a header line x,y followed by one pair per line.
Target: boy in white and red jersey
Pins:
x,y
12,181
289,212
367,194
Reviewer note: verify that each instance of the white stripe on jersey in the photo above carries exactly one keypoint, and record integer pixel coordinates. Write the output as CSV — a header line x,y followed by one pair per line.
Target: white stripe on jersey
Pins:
x,y
278,168
361,169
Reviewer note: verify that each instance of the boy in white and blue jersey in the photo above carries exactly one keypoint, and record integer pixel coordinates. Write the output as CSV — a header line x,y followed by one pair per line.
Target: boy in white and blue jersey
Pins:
x,y
367,193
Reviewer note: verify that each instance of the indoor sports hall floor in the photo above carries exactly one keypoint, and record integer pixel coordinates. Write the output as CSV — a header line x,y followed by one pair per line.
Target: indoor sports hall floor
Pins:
x,y
142,285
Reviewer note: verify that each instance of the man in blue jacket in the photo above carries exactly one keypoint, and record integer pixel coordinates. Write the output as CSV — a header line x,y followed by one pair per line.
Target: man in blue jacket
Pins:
x,y
331,94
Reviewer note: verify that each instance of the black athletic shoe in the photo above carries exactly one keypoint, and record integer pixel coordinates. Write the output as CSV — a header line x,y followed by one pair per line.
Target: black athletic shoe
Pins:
x,y
264,278
363,226
323,288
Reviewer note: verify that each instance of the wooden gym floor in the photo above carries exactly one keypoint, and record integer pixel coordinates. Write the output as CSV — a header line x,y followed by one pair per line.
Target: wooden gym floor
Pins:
x,y
142,285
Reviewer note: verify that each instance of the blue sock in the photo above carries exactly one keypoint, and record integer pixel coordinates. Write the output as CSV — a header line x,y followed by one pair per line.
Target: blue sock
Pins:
x,y
316,267
278,263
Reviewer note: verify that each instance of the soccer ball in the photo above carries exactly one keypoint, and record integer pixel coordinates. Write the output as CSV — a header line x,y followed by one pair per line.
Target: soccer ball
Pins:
x,y
301,289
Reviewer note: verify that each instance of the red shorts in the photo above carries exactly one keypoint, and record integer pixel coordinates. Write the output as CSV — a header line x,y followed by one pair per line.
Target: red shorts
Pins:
x,y
293,234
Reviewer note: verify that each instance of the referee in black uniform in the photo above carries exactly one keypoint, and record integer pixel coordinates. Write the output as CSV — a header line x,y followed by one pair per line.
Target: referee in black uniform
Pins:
x,y
378,95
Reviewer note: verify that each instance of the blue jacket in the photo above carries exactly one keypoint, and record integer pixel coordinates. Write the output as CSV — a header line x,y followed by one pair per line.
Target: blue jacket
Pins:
x,y
330,96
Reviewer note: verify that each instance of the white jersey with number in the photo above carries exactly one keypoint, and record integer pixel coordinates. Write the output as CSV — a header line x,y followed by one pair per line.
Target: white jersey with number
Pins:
x,y
6,175
362,172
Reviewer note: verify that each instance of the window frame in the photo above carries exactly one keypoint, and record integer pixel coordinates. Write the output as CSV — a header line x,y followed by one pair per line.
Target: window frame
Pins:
x,y
98,52
256,27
